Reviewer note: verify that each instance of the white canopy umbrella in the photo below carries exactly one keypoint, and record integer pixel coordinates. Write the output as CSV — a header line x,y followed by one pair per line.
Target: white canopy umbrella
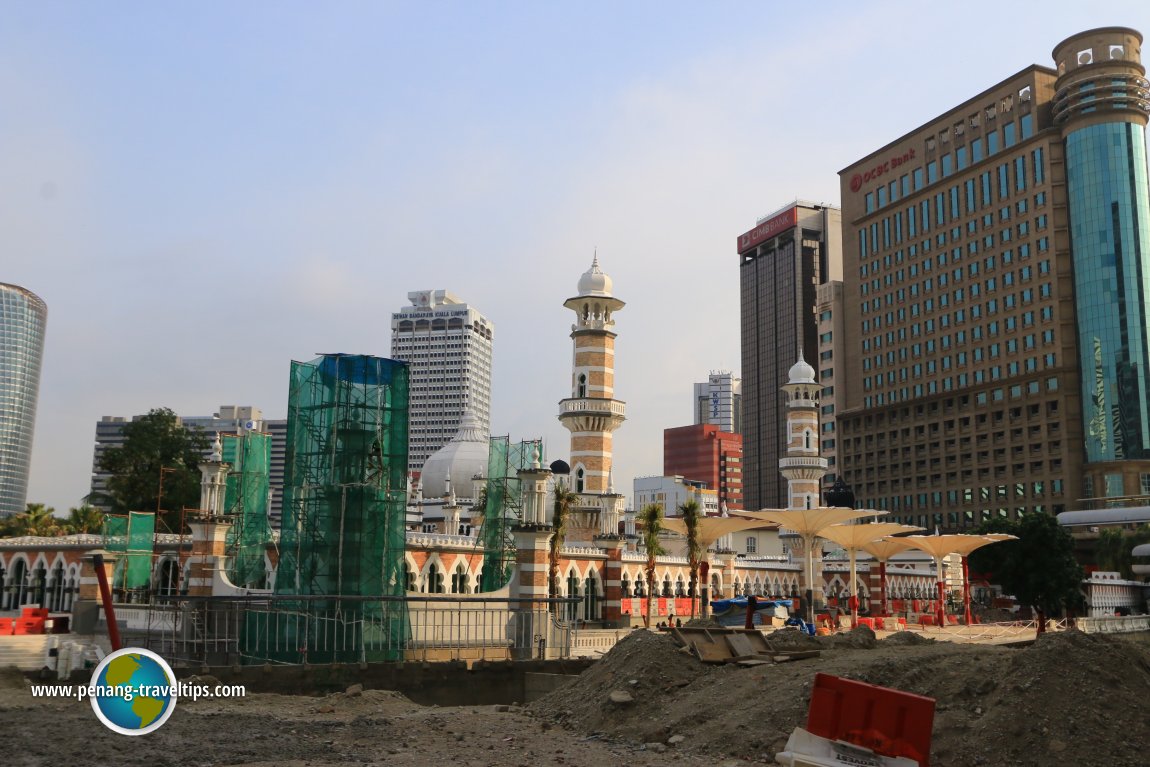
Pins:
x,y
808,524
939,546
853,537
883,550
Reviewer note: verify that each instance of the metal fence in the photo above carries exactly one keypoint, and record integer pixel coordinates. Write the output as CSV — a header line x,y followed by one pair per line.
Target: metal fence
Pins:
x,y
298,630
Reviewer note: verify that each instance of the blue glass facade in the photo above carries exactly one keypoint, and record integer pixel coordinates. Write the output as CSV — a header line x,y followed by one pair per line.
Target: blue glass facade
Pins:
x,y
1110,239
22,319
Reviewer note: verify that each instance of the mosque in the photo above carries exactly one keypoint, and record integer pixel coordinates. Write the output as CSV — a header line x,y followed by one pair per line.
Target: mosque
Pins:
x,y
601,562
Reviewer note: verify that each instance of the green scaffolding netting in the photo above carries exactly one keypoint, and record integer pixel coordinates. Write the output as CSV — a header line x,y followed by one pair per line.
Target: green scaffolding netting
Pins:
x,y
130,537
503,508
246,501
343,532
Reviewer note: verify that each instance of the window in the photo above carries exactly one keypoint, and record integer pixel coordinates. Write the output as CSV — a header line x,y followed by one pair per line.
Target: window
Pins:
x,y
752,542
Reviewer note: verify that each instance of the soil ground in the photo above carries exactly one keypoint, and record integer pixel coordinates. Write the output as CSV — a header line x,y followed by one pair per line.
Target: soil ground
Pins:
x,y
1068,699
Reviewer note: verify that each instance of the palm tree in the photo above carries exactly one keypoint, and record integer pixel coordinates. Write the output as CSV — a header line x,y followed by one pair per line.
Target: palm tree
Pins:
x,y
651,517
565,499
85,519
37,519
691,512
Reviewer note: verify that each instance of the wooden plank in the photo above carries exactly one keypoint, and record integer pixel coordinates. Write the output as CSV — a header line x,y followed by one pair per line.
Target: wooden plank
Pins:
x,y
711,653
740,645
782,657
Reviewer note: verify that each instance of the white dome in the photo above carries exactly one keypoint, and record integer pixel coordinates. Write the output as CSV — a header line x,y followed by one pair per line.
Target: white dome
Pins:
x,y
594,281
461,459
801,373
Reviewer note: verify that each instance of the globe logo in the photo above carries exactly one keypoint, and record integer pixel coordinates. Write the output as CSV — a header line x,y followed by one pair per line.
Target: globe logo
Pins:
x,y
133,691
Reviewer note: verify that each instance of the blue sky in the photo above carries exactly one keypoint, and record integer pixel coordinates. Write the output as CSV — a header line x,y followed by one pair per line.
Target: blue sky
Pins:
x,y
204,192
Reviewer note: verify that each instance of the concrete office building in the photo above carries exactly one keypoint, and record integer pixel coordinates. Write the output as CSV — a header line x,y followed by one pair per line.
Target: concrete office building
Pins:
x,y
832,331
23,316
719,401
447,345
782,261
705,453
998,259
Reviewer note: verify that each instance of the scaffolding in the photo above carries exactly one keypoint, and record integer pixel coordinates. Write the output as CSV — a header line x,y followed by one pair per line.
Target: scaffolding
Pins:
x,y
246,502
130,536
343,531
504,506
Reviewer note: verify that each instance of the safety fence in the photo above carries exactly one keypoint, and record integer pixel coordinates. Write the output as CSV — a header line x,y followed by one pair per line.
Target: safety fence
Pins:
x,y
302,630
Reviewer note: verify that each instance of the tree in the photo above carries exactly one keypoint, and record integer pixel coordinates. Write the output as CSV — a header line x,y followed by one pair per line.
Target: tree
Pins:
x,y
155,442
651,518
1113,547
1039,568
565,499
84,519
691,512
36,519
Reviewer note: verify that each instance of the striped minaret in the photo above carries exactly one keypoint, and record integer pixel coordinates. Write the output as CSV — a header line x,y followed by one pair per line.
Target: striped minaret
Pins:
x,y
592,413
803,466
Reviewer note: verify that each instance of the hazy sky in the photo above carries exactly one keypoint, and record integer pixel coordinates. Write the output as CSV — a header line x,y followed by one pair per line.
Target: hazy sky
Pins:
x,y
203,192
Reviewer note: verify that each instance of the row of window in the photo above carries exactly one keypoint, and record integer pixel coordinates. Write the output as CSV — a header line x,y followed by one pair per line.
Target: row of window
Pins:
x,y
946,164
1015,391
948,205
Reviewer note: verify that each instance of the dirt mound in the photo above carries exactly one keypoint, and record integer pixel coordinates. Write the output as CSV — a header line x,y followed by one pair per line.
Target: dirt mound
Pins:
x,y
792,639
1070,698
1065,700
905,638
861,638
629,690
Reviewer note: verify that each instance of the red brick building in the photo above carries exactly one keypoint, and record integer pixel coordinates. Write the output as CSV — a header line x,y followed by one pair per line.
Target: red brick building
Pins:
x,y
705,454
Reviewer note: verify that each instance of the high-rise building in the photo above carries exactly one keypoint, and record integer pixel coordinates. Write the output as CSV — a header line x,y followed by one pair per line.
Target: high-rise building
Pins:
x,y
705,453
998,267
447,345
782,261
231,419
719,401
23,316
832,332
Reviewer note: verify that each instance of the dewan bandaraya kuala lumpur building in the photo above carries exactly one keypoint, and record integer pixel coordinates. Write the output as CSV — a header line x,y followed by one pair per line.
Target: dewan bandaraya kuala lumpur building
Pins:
x,y
996,269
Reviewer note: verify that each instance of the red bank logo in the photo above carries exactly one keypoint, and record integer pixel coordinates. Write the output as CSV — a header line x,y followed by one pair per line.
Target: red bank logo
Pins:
x,y
858,179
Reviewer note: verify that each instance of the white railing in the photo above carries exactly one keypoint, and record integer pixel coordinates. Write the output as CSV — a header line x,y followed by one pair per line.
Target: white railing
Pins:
x,y
439,540
1117,624
583,551
598,406
596,642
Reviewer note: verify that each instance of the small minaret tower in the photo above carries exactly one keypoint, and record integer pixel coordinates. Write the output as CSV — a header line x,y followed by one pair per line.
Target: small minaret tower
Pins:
x,y
214,480
803,467
592,413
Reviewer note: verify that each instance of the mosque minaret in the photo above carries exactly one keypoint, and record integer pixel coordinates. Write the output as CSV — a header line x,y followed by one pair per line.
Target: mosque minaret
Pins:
x,y
592,413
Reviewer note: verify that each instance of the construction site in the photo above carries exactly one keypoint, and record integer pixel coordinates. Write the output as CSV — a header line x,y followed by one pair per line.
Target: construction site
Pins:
x,y
539,639
1067,699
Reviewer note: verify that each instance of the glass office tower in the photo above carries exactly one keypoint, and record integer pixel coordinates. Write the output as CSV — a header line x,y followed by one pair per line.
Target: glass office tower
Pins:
x,y
1100,104
22,319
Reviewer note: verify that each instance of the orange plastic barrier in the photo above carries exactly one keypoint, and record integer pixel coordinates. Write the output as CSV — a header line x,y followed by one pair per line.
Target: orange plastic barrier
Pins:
x,y
868,622
889,722
7,626
29,626
34,612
